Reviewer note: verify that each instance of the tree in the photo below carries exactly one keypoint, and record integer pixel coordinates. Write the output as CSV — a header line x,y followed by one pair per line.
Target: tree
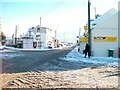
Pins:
x,y
2,36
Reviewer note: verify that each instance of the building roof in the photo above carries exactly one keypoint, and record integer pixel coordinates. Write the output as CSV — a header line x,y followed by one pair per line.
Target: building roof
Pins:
x,y
106,16
29,34
103,18
27,37
9,38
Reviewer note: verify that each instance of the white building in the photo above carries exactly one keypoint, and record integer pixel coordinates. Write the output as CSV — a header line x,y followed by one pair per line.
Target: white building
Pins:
x,y
27,43
41,37
105,34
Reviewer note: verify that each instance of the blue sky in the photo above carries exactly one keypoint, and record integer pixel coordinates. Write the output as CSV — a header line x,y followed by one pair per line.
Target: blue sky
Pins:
x,y
15,11
65,16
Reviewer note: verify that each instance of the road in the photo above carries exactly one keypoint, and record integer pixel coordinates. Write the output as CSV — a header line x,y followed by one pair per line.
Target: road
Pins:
x,y
29,61
71,75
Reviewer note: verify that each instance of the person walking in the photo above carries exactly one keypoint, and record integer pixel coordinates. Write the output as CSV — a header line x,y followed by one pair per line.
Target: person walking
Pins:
x,y
87,50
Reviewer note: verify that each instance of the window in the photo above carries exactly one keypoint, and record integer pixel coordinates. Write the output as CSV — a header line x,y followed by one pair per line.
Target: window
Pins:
x,y
38,29
32,27
37,37
94,24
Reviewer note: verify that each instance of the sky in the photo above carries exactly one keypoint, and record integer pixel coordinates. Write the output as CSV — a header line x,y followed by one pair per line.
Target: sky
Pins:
x,y
64,16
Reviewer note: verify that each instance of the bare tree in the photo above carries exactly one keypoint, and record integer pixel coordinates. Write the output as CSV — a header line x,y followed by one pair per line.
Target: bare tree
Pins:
x,y
2,37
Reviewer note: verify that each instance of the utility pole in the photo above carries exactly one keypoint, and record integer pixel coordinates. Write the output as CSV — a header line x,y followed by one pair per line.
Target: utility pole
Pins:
x,y
56,40
15,36
79,35
57,26
55,34
40,22
40,34
89,30
79,40
95,13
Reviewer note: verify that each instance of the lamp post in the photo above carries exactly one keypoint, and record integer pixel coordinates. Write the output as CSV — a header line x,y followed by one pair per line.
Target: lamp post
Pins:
x,y
89,30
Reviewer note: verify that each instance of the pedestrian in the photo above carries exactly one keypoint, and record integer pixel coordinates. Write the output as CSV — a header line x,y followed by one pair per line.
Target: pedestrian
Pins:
x,y
78,49
87,50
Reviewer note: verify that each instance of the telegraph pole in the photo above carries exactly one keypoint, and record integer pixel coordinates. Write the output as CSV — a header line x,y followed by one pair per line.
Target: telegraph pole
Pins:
x,y
95,13
15,36
57,26
55,34
40,34
89,30
79,35
40,22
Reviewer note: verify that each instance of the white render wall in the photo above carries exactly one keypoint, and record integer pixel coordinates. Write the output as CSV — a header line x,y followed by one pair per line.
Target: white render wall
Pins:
x,y
82,46
43,40
107,28
27,43
46,35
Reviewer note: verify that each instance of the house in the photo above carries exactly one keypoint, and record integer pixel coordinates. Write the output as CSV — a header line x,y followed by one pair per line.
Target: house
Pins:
x,y
41,37
9,41
104,34
27,42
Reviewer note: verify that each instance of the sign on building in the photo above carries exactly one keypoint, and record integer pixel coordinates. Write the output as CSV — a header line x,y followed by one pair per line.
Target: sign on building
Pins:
x,y
83,39
105,39
85,27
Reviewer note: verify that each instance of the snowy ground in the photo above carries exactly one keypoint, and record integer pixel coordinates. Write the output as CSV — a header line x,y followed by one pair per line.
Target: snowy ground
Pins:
x,y
10,52
105,76
9,49
75,56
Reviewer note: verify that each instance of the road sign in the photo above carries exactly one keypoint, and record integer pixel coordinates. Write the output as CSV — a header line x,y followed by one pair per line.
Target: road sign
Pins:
x,y
85,27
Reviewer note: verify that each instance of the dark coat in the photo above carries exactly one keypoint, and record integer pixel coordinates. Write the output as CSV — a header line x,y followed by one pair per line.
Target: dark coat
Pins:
x,y
87,48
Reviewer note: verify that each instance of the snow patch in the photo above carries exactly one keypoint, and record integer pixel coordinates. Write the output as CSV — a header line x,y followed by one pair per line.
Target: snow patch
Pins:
x,y
75,56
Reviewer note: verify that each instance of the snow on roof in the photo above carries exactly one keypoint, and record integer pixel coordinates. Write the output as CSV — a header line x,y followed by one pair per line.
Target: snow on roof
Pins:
x,y
81,36
106,16
9,38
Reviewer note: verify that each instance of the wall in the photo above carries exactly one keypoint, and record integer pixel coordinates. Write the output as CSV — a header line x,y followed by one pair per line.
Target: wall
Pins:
x,y
107,28
27,43
82,46
46,35
49,37
43,40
